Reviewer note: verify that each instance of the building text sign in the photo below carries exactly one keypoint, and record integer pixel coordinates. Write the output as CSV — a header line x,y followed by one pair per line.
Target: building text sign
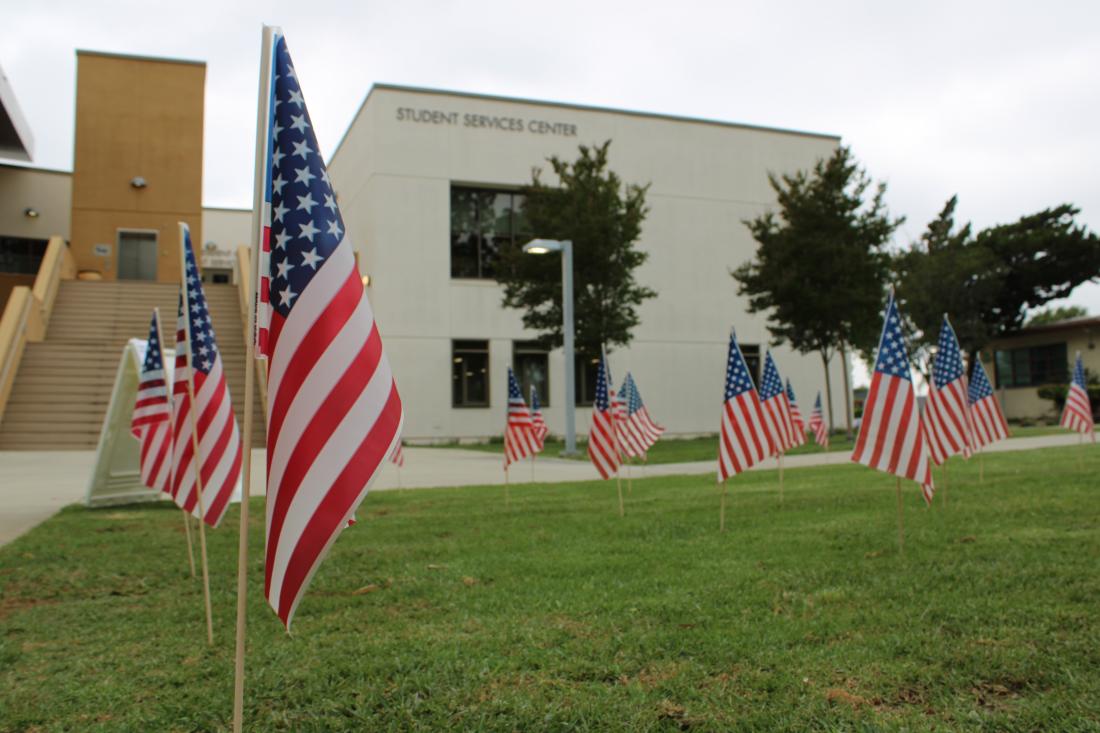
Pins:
x,y
489,122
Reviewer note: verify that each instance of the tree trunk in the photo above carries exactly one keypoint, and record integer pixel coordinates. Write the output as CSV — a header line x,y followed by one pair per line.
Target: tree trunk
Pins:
x,y
847,388
828,387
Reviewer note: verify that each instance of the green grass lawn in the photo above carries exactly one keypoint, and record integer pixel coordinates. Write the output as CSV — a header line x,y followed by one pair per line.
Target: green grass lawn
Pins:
x,y
674,450
446,610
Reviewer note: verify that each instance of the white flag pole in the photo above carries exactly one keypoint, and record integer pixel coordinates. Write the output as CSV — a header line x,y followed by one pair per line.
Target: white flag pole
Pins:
x,y
196,458
262,127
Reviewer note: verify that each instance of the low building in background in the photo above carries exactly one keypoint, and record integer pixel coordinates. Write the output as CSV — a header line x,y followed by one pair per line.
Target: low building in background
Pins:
x,y
1032,358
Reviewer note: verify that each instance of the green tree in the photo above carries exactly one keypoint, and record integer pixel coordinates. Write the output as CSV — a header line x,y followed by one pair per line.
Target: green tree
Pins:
x,y
987,282
820,270
1055,314
603,218
945,271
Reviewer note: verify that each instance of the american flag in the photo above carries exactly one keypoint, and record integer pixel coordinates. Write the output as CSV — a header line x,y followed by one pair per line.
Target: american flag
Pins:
x,y
1077,414
151,423
637,430
985,412
334,413
891,437
219,441
817,424
946,422
537,422
777,410
744,440
603,438
796,417
397,455
520,440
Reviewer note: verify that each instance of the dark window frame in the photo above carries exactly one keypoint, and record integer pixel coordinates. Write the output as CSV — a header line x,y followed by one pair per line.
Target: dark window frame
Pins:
x,y
21,255
585,368
1031,366
754,360
462,349
485,237
535,350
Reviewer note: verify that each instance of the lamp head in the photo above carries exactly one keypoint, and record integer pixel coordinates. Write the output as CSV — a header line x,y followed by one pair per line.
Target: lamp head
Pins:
x,y
542,246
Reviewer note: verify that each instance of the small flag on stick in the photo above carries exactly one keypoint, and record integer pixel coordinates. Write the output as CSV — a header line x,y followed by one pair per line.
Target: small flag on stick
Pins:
x,y
796,417
151,423
985,412
519,431
1077,414
817,424
334,413
891,437
946,419
777,409
537,421
744,439
603,442
637,430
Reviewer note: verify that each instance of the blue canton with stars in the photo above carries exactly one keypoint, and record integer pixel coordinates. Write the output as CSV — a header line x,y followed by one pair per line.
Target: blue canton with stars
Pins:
x,y
603,376
892,359
738,380
630,395
948,365
513,387
204,350
153,357
770,385
979,388
790,392
306,225
1079,373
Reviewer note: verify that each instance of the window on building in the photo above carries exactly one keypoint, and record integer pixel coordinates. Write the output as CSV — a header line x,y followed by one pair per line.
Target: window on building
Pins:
x,y
217,275
482,221
751,352
585,370
470,373
1031,366
20,255
531,362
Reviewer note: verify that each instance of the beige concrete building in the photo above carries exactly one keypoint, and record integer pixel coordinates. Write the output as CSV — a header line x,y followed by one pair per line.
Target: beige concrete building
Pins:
x,y
1032,358
427,181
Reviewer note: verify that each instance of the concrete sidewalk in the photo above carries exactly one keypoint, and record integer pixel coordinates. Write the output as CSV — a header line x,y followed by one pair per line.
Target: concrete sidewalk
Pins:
x,y
36,484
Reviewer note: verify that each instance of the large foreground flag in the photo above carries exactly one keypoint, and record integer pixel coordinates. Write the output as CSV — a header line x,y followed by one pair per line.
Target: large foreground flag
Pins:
x,y
1077,414
537,421
891,438
219,441
796,417
334,414
603,439
817,424
744,439
946,419
777,410
985,412
519,431
637,430
151,423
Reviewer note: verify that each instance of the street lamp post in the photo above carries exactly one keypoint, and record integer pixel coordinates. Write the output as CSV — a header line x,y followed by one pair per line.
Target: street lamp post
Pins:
x,y
565,246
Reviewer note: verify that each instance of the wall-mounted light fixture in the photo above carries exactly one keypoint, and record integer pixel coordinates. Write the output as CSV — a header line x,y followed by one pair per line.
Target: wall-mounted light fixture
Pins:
x,y
366,281
138,182
30,212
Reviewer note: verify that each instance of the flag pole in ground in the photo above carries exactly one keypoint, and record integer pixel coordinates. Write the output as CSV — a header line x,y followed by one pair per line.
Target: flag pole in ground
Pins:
x,y
779,462
629,479
981,467
195,457
946,482
722,509
901,519
507,491
263,124
532,468
186,518
619,485
190,547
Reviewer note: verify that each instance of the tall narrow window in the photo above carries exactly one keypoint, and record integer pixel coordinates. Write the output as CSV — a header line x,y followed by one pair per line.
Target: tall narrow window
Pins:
x,y
470,373
751,352
585,370
532,365
482,221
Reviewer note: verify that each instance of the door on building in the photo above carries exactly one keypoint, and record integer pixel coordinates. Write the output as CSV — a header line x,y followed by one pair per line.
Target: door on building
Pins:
x,y
137,254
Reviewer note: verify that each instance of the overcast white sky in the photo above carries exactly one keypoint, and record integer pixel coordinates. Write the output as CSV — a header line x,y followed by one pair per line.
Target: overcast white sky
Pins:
x,y
996,101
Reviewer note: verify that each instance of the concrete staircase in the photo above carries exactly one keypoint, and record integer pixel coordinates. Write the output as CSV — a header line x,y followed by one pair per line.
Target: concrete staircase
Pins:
x,y
64,383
